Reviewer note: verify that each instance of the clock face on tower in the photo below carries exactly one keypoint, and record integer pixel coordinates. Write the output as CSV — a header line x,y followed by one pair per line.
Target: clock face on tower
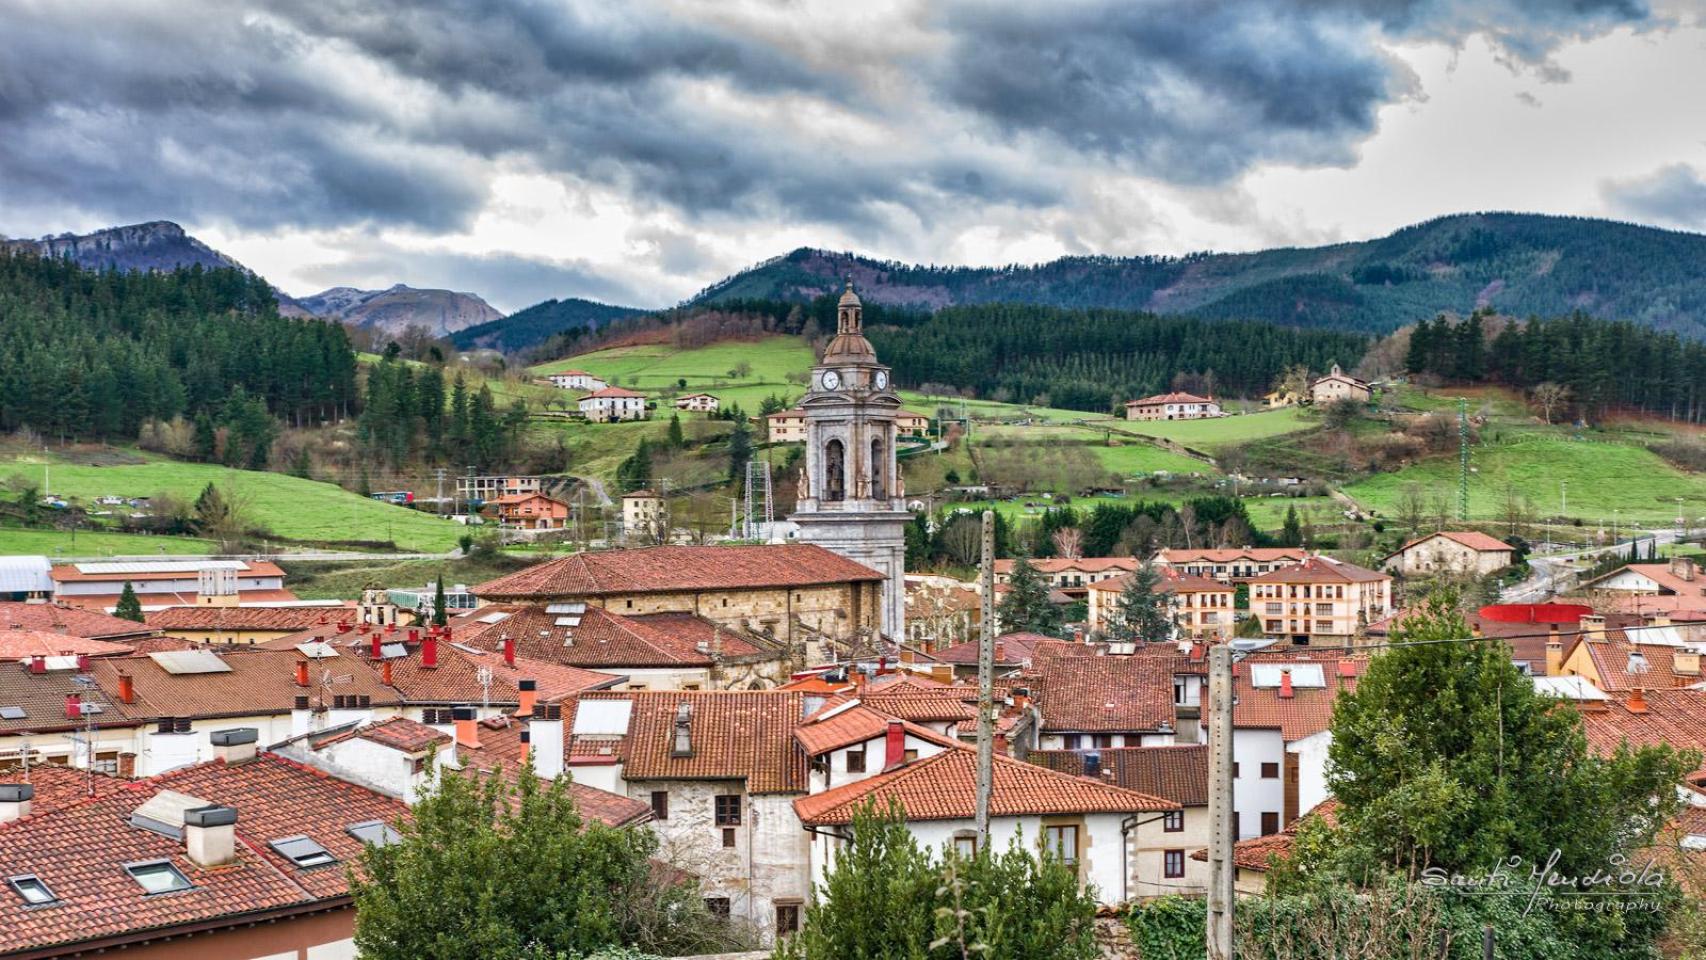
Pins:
x,y
882,380
831,380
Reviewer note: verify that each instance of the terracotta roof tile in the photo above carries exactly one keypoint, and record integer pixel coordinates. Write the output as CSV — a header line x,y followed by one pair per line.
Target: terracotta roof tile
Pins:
x,y
404,735
1015,649
1675,716
1168,398
80,851
1179,774
1623,666
605,640
1105,694
1308,711
1173,580
23,644
1322,570
736,735
281,619
59,618
259,681
677,569
1085,564
1665,576
60,786
944,787
42,698
1473,539
1176,555
921,707
71,572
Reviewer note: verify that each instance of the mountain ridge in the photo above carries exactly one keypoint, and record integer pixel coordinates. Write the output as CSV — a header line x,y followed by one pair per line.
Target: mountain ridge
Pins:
x,y
1512,262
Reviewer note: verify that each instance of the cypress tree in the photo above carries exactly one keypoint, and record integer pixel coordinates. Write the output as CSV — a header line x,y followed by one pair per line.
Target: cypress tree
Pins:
x,y
129,607
438,613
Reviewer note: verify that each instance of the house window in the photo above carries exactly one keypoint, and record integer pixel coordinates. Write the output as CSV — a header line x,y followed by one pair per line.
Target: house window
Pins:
x,y
1104,740
1173,821
32,889
660,804
1173,863
719,907
1069,741
1270,771
787,918
1270,823
727,809
907,756
158,876
965,844
1062,842
856,760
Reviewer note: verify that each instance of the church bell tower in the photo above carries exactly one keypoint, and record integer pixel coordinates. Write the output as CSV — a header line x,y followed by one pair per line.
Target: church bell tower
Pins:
x,y
851,497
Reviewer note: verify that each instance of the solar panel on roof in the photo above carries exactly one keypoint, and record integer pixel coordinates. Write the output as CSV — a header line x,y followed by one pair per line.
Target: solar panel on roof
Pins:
x,y
392,651
190,661
1302,674
603,717
568,621
316,650
576,606
497,617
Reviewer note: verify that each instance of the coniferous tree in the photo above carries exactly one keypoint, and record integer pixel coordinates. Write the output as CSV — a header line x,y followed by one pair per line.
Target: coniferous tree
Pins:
x,y
1143,612
1026,608
676,439
128,607
1291,532
740,451
440,616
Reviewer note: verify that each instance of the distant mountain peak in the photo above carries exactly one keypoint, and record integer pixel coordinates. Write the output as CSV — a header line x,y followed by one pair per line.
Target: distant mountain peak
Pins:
x,y
400,306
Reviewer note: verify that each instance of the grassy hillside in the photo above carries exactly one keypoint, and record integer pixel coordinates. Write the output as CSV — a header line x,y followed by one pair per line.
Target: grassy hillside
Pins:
x,y
1518,263
287,507
1601,477
658,369
96,543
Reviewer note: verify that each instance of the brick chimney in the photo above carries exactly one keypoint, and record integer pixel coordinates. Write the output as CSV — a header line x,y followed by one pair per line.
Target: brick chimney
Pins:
x,y
376,649
15,801
1682,568
528,691
429,651
894,745
210,835
1285,689
302,673
681,742
1000,652
1637,702
545,731
467,727
73,706
1685,662
1593,627
38,664
126,688
509,652
385,672
234,746
526,744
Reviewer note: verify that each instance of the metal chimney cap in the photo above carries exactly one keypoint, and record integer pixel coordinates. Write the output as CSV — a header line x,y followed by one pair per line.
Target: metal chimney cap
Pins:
x,y
210,816
16,792
235,737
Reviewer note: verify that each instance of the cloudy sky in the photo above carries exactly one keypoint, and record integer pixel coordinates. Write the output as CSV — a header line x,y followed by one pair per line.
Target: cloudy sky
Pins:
x,y
636,151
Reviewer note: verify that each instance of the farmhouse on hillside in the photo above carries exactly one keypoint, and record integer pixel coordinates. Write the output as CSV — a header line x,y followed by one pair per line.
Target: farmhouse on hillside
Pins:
x,y
697,403
578,380
786,426
532,511
611,404
1464,552
1172,406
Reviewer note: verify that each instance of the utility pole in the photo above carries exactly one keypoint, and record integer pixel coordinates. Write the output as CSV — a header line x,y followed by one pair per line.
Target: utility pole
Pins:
x,y
1462,458
986,684
1220,869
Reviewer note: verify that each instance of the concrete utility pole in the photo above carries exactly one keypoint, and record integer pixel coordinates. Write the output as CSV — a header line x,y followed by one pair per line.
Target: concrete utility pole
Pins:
x,y
986,685
1220,869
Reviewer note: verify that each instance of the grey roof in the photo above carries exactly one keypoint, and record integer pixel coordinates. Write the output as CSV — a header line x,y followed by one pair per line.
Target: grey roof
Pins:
x,y
23,574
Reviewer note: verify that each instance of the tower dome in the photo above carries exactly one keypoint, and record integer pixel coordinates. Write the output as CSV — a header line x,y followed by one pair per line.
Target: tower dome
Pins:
x,y
849,345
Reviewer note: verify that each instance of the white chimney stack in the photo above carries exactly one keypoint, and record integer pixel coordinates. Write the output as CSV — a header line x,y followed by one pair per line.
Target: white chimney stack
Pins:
x,y
15,801
237,745
545,733
210,835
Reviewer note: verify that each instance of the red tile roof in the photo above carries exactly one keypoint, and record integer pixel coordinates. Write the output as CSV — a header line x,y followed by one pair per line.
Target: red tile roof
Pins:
x,y
944,787
678,570
260,681
61,786
1230,555
1015,649
1322,570
1177,773
99,602
736,735
1105,694
1622,665
613,392
280,619
1062,564
1665,576
80,851
1473,539
1161,398
59,618
23,644
42,697
403,734
921,707
1173,580
1308,711
1675,716
69,572
500,747
606,640
1261,853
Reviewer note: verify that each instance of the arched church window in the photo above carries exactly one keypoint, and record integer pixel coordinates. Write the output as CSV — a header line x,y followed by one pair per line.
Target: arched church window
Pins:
x,y
834,471
878,492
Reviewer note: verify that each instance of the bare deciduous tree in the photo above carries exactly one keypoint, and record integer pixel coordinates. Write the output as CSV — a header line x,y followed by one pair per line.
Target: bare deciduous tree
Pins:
x,y
1550,397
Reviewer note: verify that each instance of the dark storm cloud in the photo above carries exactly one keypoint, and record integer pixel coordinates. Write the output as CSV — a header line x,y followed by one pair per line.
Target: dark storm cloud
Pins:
x,y
1196,91
1674,195
322,113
